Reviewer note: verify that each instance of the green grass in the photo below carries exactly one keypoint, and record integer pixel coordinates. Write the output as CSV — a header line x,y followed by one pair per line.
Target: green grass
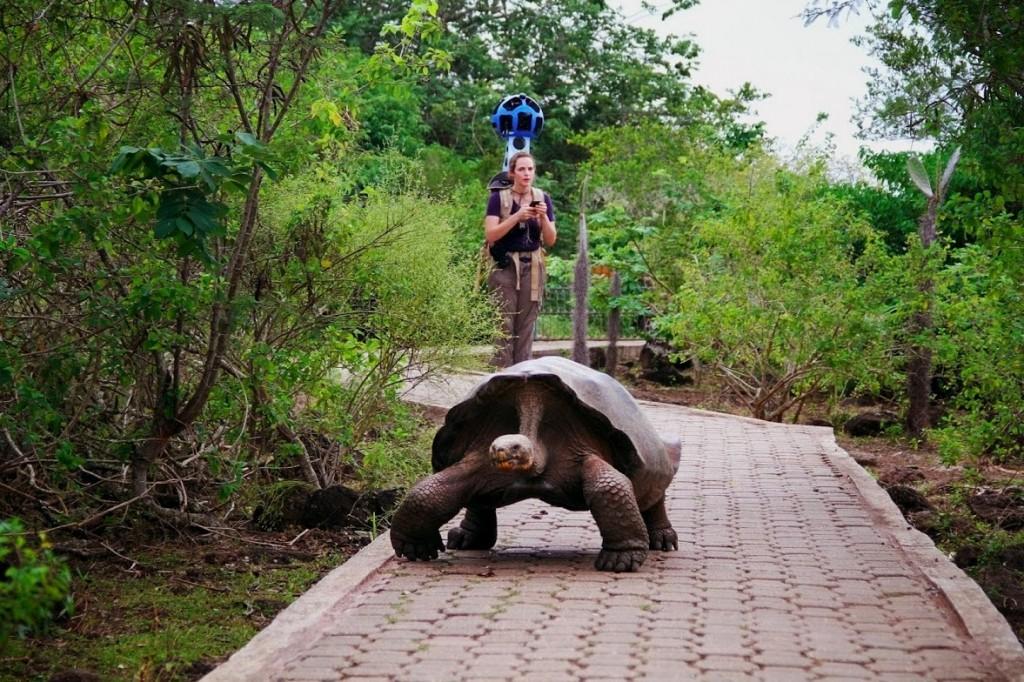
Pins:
x,y
155,627
554,327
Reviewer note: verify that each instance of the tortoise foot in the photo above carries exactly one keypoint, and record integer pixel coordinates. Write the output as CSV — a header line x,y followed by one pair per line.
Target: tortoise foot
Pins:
x,y
460,538
620,561
664,539
421,548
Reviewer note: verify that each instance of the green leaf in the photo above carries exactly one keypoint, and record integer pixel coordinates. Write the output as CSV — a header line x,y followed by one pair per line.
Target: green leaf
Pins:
x,y
271,173
164,228
919,176
187,169
128,159
950,167
248,139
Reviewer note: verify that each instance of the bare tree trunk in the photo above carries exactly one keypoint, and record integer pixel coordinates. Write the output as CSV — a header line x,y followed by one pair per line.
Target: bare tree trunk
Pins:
x,y
919,378
614,325
919,354
580,287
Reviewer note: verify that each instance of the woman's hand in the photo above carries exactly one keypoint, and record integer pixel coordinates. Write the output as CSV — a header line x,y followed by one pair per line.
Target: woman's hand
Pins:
x,y
527,213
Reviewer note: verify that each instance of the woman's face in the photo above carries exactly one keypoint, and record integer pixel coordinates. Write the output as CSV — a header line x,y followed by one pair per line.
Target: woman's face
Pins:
x,y
522,174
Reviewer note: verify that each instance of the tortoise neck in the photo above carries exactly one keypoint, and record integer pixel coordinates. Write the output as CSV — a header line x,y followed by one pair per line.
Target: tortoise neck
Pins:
x,y
530,405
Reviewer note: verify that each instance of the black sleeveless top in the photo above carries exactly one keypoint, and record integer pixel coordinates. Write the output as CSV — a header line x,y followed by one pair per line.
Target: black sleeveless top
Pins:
x,y
522,237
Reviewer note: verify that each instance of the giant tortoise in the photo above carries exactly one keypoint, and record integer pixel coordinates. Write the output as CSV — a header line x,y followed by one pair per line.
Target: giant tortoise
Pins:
x,y
552,429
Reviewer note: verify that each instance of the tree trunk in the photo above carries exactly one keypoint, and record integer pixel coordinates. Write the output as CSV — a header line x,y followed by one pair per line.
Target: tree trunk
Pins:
x,y
919,352
614,325
919,369
580,287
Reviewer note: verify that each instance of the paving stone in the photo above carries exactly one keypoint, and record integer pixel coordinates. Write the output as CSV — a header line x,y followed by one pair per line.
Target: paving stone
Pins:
x,y
308,674
774,673
845,670
781,658
734,664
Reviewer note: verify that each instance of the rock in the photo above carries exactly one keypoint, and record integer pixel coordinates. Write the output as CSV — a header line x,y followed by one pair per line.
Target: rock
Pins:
x,y
870,423
1012,557
282,506
901,476
1003,586
907,499
926,521
865,459
656,365
342,507
967,556
1003,508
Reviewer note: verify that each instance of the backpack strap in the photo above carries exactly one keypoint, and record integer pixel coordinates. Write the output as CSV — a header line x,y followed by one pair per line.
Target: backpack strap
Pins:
x,y
506,200
506,203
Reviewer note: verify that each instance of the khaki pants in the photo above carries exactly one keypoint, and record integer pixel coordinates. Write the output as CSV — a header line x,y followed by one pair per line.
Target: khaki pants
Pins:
x,y
519,313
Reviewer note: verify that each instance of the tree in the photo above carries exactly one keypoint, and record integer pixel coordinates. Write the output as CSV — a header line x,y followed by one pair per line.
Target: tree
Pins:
x,y
919,356
951,71
126,283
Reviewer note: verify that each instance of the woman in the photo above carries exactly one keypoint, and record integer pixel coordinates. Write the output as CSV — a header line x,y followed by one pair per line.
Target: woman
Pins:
x,y
520,220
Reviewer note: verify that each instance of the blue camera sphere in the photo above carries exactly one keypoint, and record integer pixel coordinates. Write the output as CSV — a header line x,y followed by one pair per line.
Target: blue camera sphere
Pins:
x,y
517,116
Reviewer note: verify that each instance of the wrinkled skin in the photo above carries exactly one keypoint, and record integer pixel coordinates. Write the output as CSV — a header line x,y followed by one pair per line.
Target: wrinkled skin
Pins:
x,y
558,456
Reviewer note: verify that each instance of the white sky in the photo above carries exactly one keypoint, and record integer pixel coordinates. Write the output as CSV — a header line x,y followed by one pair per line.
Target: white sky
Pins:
x,y
805,69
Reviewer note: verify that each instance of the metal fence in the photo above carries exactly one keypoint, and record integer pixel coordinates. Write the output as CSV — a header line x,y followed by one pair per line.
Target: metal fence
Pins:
x,y
555,321
559,301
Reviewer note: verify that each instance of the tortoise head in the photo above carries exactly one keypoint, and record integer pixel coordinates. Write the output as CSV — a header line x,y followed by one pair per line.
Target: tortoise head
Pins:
x,y
515,452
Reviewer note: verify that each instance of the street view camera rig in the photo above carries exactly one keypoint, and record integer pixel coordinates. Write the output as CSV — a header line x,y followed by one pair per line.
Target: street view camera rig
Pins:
x,y
517,119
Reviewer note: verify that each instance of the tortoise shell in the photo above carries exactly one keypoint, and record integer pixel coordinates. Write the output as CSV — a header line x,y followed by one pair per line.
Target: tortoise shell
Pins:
x,y
489,411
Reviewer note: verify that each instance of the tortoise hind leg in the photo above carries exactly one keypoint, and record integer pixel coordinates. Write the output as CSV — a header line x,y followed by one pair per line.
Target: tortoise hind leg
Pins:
x,y
478,530
659,529
612,501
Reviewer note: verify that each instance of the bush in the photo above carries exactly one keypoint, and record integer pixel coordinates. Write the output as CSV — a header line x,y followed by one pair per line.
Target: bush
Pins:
x,y
36,584
777,292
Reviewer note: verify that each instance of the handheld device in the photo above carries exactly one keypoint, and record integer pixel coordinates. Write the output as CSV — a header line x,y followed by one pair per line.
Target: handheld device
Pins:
x,y
535,203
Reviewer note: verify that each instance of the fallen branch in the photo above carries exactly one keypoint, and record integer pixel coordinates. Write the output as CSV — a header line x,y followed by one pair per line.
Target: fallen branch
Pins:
x,y
298,537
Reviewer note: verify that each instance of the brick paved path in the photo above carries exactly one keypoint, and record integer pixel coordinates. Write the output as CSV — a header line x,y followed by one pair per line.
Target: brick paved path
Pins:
x,y
792,565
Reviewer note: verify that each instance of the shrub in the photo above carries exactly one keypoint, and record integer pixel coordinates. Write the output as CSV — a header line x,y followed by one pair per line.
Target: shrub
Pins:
x,y
777,292
36,584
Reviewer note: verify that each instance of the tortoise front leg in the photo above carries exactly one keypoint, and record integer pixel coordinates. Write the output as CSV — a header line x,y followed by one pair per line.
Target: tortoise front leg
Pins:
x,y
612,501
478,530
415,528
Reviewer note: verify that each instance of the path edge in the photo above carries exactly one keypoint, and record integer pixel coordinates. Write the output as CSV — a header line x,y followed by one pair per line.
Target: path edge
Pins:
x,y
977,612
276,644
